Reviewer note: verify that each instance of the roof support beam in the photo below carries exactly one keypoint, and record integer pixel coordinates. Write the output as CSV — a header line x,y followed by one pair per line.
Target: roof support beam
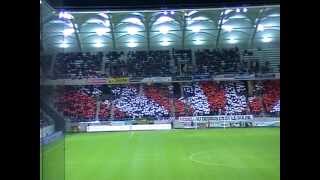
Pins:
x,y
183,27
220,28
256,24
147,28
41,31
112,32
77,35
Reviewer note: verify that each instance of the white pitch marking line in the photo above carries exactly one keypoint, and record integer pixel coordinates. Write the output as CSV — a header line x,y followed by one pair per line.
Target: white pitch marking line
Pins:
x,y
191,158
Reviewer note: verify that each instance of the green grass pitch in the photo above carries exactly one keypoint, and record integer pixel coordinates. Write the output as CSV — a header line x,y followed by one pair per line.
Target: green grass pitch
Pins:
x,y
208,154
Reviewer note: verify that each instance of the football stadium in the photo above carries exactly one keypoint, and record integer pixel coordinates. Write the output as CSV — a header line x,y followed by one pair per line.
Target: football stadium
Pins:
x,y
160,93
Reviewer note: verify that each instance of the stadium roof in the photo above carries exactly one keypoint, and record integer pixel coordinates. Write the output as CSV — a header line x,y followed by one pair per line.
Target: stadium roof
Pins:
x,y
80,30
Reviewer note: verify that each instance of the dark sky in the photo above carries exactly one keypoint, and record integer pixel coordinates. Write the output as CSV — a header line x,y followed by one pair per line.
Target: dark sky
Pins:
x,y
153,4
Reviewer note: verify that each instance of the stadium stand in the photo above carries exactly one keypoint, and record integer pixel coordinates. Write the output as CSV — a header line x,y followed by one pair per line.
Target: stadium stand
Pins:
x,y
155,101
236,98
271,96
216,97
198,102
137,105
255,105
157,63
77,65
148,63
77,104
160,94
218,61
44,119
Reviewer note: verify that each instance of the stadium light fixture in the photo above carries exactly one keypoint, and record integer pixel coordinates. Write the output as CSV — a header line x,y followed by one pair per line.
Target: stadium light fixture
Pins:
x,y
227,28
238,10
165,43
64,45
65,15
195,29
102,31
98,44
198,42
133,20
163,19
164,30
103,15
228,11
132,44
191,13
68,32
266,39
171,12
274,15
232,40
245,9
165,12
132,31
260,27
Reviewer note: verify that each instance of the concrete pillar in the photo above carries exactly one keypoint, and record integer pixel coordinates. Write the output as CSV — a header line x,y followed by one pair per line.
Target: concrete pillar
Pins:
x,y
98,110
53,61
111,111
250,87
140,89
171,101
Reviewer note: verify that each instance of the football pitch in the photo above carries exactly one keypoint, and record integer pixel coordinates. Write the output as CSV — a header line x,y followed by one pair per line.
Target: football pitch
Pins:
x,y
207,154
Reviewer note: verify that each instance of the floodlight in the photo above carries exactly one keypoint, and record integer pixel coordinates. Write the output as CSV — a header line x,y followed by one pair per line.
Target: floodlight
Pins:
x,y
260,27
195,29
98,44
132,31
102,31
227,28
232,40
266,39
164,30
68,32
64,45
165,43
132,44
198,42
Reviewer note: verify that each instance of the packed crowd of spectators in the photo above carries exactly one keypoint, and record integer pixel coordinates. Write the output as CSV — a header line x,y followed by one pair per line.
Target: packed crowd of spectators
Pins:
x,y
173,62
226,61
255,105
77,65
77,104
149,63
137,105
158,102
216,96
161,95
198,101
183,61
236,98
271,96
